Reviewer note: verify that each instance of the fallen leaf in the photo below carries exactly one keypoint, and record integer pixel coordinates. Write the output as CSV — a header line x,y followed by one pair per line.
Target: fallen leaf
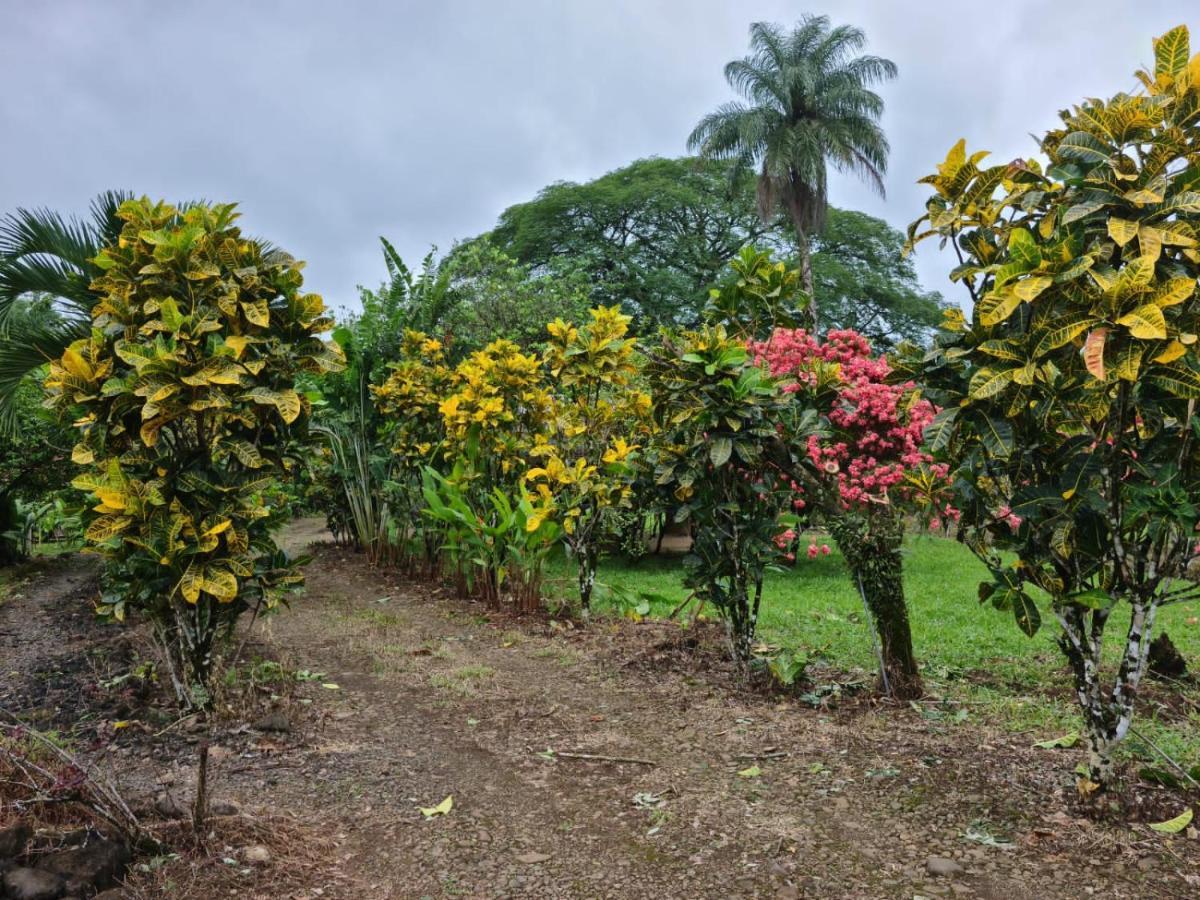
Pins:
x,y
752,772
1175,825
1059,743
330,686
440,810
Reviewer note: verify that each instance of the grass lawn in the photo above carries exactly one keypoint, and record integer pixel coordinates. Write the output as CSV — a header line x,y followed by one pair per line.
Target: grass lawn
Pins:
x,y
973,655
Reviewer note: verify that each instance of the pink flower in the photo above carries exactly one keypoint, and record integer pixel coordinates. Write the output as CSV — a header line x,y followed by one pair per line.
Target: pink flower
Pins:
x,y
812,551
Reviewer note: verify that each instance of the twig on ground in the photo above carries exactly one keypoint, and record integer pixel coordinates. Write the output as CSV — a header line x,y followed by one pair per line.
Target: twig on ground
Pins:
x,y
568,754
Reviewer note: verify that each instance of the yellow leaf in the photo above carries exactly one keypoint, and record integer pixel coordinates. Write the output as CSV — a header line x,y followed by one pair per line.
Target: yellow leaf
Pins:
x,y
1150,241
81,455
74,363
996,306
237,343
106,527
441,809
1145,322
751,772
1122,230
1174,350
257,313
190,583
1174,291
1029,288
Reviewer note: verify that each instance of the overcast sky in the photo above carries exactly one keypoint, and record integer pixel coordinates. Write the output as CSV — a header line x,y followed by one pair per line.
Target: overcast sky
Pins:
x,y
334,121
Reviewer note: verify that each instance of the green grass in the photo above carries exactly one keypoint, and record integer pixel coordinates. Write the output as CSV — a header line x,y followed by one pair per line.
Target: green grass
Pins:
x,y
972,654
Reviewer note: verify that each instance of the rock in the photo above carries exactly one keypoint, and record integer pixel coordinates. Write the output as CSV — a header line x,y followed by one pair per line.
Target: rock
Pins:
x,y
223,808
32,884
111,894
168,807
256,854
13,840
273,721
531,858
97,864
940,865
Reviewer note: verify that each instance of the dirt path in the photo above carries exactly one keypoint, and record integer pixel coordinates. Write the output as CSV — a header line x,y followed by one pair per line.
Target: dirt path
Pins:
x,y
416,697
748,797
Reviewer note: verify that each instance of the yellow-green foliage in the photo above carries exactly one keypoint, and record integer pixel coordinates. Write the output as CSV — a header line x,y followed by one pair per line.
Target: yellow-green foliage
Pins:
x,y
185,398
1069,394
600,420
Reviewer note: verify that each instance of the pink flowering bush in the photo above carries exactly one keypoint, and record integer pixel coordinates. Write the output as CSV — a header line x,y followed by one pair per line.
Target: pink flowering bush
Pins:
x,y
866,467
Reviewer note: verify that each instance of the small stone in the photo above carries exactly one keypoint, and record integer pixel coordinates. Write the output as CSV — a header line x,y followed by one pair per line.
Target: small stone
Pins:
x,y
531,858
273,721
256,854
940,865
168,807
223,808
13,840
32,884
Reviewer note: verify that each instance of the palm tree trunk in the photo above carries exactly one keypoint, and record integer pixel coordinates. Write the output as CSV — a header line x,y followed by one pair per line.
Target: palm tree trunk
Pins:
x,y
804,257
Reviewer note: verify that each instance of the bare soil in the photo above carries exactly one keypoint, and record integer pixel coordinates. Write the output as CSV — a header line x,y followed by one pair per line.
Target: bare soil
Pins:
x,y
610,760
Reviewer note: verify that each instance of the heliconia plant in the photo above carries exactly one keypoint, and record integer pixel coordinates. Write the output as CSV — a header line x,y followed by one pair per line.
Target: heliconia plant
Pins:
x,y
864,473
184,396
1070,393
585,467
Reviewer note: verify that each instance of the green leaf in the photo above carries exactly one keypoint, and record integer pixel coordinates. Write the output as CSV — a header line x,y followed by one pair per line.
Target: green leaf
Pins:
x,y
1059,743
1025,611
1082,146
997,437
1062,331
720,451
988,382
752,772
1171,52
1175,825
1093,598
1176,379
941,429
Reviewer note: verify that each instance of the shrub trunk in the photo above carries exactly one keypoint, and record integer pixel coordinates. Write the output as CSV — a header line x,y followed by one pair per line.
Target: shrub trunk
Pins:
x,y
871,546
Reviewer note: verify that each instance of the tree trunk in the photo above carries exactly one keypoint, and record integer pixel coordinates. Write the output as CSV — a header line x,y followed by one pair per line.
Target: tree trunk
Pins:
x,y
804,257
872,549
1107,715
587,576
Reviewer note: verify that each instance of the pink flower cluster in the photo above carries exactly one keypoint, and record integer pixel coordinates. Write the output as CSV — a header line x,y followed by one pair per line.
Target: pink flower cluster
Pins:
x,y
876,435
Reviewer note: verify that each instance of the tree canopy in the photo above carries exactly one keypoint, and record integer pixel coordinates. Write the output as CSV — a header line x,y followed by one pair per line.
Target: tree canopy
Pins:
x,y
656,235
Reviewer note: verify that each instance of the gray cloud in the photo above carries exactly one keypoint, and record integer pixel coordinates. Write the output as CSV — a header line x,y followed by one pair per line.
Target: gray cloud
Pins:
x,y
334,123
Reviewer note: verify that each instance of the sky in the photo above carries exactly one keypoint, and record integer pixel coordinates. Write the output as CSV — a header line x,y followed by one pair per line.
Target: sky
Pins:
x,y
333,122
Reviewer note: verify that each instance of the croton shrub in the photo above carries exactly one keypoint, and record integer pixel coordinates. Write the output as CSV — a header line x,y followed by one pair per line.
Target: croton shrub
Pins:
x,y
184,397
1070,392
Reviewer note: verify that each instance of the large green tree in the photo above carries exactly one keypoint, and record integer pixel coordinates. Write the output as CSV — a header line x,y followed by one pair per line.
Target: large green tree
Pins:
x,y
655,235
43,252
652,236
868,284
808,105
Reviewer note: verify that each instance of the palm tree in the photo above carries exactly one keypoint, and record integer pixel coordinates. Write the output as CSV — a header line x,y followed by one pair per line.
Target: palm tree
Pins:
x,y
808,104
43,253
